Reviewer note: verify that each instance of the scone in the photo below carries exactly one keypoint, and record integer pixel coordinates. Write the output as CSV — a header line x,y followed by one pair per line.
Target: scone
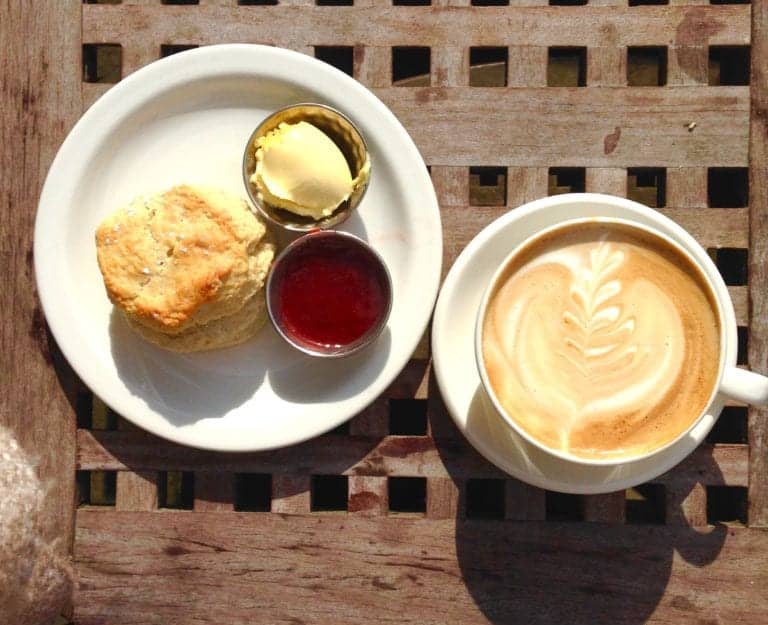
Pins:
x,y
178,261
221,332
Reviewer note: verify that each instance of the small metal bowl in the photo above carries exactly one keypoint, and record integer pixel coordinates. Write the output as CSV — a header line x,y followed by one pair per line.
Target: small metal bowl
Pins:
x,y
280,269
341,131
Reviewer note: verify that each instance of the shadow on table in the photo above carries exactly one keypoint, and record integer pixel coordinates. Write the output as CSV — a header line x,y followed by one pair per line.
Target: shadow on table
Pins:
x,y
545,572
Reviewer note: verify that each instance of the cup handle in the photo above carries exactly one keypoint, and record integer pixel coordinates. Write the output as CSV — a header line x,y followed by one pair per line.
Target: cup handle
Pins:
x,y
746,386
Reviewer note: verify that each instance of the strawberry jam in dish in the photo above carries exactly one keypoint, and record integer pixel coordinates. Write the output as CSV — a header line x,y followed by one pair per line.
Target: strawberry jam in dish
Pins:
x,y
329,294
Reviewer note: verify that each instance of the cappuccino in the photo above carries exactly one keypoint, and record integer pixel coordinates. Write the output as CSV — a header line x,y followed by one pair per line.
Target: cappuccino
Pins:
x,y
601,340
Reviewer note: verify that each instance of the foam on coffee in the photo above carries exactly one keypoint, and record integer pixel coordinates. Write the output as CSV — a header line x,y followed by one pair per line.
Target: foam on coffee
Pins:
x,y
601,340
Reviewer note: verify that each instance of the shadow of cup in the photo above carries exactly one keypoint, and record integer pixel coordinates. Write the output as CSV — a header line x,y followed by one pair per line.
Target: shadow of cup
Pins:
x,y
546,571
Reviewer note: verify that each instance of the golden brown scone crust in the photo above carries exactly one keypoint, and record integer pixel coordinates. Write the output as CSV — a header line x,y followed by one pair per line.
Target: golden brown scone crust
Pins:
x,y
221,332
183,258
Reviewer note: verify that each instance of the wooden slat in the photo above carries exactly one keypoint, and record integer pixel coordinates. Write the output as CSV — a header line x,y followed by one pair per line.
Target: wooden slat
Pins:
x,y
711,465
688,64
372,65
374,420
612,181
527,66
290,493
523,502
688,59
686,505
416,456
440,423
549,128
639,127
411,382
739,295
758,262
450,66
40,72
423,352
713,227
303,49
451,186
687,186
444,498
344,570
608,508
214,491
461,224
136,55
92,91
387,25
607,66
368,495
525,184
136,490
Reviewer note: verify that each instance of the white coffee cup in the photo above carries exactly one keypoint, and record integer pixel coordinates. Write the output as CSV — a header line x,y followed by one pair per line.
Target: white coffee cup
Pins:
x,y
732,381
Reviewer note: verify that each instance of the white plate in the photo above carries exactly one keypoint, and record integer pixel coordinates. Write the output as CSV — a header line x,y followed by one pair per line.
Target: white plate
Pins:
x,y
453,353
187,118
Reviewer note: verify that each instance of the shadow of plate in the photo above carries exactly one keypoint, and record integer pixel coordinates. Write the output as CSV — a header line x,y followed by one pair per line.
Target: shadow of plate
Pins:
x,y
185,388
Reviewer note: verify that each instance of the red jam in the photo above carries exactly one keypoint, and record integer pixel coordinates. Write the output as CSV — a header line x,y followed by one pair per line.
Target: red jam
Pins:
x,y
332,292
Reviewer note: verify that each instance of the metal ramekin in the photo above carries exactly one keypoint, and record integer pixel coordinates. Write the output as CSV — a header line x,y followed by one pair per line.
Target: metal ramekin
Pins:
x,y
275,275
341,131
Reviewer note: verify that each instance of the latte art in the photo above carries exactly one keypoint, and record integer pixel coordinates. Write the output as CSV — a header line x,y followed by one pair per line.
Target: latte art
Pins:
x,y
601,341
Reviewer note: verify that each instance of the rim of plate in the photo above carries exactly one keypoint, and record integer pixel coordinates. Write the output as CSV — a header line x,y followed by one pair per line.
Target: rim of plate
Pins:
x,y
162,76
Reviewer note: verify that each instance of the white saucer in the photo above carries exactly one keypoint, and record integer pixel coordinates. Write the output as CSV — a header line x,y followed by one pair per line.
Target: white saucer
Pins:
x,y
456,371
186,119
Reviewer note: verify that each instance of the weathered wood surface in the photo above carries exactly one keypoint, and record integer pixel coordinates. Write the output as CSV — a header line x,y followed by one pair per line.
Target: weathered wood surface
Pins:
x,y
758,262
138,564
40,86
540,127
417,456
348,569
387,25
527,126
607,508
214,492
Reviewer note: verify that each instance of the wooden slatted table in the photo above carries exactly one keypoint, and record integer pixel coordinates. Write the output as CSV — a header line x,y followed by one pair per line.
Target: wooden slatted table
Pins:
x,y
395,518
